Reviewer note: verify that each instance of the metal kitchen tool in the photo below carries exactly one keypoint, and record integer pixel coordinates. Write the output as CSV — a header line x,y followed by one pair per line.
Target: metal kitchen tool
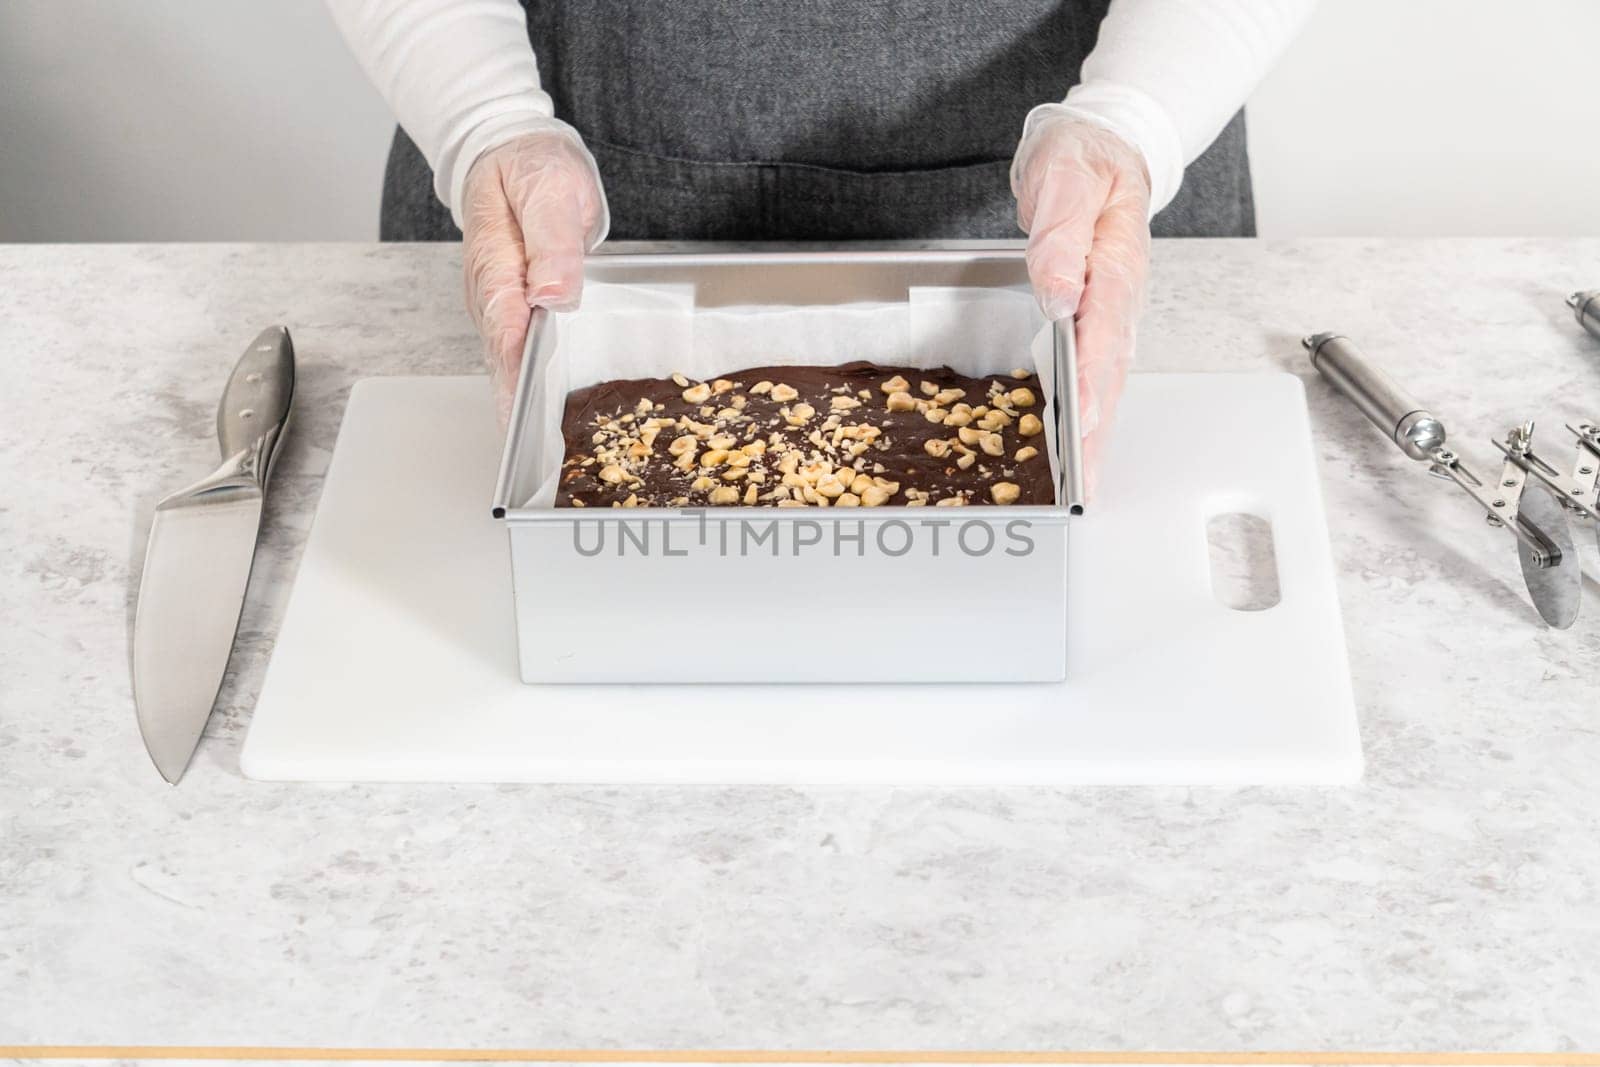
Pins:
x,y
202,543
1531,499
1586,309
570,628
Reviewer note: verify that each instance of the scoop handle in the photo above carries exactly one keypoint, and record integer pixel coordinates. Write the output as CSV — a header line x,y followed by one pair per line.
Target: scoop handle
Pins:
x,y
1586,309
1385,404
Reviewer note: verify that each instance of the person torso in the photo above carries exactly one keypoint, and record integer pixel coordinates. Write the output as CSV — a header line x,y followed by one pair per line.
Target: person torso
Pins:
x,y
829,119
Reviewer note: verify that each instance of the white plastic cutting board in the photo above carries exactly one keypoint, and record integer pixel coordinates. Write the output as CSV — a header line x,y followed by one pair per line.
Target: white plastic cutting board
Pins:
x,y
397,660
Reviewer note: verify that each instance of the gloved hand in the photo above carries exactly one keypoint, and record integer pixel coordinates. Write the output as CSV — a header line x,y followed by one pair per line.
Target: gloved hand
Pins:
x,y
1083,198
530,209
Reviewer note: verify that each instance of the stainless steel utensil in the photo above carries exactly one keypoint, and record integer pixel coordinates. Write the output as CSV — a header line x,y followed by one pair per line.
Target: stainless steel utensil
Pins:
x,y
197,564
1537,517
1586,309
1556,588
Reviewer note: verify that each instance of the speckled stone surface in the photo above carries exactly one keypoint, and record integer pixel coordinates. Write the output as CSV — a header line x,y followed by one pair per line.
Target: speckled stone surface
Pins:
x,y
1452,902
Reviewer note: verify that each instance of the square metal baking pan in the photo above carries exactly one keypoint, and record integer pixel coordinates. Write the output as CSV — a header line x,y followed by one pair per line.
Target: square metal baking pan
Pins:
x,y
760,594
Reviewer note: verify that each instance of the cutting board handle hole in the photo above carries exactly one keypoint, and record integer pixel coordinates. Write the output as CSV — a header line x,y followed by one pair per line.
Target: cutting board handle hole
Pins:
x,y
1244,562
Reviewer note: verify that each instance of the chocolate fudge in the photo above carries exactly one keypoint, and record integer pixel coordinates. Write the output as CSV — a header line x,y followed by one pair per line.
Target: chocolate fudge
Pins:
x,y
854,435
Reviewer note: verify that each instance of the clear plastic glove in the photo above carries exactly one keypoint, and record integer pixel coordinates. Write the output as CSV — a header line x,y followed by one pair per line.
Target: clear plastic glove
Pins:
x,y
530,209
1083,198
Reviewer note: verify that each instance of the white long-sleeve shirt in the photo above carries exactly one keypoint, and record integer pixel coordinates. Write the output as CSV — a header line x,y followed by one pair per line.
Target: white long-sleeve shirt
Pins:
x,y
1166,75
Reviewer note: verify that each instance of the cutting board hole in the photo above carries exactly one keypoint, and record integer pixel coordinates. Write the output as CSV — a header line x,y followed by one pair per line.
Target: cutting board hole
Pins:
x,y
1244,562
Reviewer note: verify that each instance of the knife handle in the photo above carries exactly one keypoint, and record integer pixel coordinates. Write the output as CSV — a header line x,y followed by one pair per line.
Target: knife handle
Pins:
x,y
1390,408
255,404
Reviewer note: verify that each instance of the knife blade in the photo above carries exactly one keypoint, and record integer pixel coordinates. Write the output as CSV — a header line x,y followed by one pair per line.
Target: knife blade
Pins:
x,y
198,560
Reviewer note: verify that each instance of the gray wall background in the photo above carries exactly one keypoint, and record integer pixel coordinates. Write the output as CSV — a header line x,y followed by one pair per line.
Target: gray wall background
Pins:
x,y
247,120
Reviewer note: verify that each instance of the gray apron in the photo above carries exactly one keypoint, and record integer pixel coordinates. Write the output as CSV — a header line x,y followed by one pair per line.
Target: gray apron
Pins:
x,y
820,120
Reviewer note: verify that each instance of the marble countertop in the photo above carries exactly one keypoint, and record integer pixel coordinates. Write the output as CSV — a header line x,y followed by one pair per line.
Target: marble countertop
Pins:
x,y
1451,902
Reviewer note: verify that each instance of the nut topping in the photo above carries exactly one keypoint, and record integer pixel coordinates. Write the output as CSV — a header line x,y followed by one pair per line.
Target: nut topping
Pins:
x,y
1005,492
768,444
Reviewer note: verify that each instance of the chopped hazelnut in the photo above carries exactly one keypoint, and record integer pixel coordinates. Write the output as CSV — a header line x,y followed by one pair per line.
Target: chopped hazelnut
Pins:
x,y
902,401
1026,453
697,394
1023,397
1029,425
897,384
1005,492
784,393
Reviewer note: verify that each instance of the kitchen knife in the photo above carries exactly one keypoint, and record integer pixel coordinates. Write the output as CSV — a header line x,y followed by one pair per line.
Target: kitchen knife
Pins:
x,y
197,564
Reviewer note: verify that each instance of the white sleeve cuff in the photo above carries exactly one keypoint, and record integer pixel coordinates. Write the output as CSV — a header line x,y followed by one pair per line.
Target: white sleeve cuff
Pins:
x,y
1138,119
